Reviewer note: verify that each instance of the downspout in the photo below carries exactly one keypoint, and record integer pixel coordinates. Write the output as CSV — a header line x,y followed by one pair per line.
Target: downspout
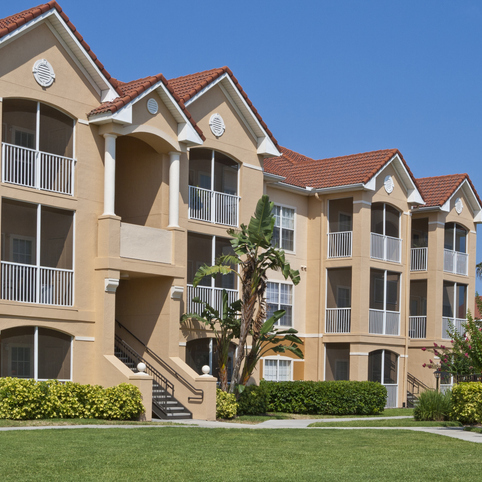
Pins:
x,y
319,297
408,256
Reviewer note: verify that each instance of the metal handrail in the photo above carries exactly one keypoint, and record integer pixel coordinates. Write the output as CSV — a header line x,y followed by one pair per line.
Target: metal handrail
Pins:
x,y
199,393
161,380
414,382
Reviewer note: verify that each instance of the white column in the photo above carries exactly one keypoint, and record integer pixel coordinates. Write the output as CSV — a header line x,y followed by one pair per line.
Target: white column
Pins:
x,y
174,173
109,174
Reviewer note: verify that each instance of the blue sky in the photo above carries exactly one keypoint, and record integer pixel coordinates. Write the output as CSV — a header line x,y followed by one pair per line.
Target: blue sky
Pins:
x,y
329,77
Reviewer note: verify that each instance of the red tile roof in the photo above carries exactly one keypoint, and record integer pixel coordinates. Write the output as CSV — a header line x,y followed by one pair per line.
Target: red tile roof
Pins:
x,y
130,90
188,86
437,190
302,171
11,23
127,91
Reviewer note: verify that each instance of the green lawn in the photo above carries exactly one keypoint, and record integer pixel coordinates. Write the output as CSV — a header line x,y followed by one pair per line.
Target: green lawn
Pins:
x,y
197,454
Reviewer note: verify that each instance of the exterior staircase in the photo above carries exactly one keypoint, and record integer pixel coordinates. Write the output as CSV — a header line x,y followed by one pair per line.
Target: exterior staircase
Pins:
x,y
164,404
414,388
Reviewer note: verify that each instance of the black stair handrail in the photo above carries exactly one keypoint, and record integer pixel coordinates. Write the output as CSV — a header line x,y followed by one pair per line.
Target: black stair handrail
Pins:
x,y
161,380
415,384
199,392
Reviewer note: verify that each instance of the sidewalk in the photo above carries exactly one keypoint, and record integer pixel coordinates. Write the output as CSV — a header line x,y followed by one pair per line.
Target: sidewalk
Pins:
x,y
453,432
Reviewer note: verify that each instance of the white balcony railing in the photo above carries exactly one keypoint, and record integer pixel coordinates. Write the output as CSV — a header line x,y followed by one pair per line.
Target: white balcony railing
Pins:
x,y
340,244
384,322
213,207
418,259
35,284
418,327
212,296
455,321
455,262
386,248
40,170
337,320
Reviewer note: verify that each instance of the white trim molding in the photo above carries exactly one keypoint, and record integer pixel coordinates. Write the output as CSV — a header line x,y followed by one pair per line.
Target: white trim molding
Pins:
x,y
84,338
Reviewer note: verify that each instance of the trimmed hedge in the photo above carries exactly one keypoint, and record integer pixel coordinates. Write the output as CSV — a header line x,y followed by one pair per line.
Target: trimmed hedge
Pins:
x,y
226,406
326,398
467,402
253,400
26,399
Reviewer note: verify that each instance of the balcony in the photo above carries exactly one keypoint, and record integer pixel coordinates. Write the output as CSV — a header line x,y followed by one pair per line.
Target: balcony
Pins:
x,y
418,327
212,296
457,322
385,248
213,207
340,244
383,322
418,259
36,169
456,262
337,320
36,284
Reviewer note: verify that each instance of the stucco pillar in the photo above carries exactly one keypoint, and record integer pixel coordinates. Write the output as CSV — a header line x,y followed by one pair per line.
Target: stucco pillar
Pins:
x,y
174,173
109,175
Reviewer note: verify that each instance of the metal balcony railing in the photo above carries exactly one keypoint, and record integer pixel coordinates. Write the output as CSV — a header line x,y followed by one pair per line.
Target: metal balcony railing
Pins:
x,y
213,207
212,296
385,248
382,322
457,322
37,169
418,259
417,327
337,320
340,244
36,284
456,262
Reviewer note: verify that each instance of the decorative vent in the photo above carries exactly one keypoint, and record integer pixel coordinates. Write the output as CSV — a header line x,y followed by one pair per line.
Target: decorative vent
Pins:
x,y
459,205
389,184
217,125
152,106
43,73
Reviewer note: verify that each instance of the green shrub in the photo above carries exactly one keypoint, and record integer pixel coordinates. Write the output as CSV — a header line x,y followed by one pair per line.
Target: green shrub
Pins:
x,y
433,406
253,400
467,402
226,406
326,398
26,399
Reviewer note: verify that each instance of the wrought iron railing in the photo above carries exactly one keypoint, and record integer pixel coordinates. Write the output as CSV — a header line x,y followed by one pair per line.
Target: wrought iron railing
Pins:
x,y
198,392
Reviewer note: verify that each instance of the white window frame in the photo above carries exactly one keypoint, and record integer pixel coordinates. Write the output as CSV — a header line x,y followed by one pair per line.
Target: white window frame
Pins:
x,y
385,220
285,206
454,237
277,324
278,359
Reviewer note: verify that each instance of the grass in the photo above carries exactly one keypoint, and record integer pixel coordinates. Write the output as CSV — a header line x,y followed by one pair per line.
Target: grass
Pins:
x,y
473,429
70,421
197,454
404,422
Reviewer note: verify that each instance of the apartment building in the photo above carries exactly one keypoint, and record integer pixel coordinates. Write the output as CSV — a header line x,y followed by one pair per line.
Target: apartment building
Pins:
x,y
114,193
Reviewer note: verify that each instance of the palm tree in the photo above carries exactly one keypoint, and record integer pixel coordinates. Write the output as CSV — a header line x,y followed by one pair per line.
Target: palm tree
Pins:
x,y
254,256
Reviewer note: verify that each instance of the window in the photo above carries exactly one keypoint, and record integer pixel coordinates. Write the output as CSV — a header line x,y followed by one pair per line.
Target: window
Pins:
x,y
455,238
37,253
284,228
35,352
276,370
385,220
279,296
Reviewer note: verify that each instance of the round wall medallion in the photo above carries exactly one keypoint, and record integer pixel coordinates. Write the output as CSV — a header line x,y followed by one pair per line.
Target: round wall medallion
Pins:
x,y
389,184
43,73
152,106
459,205
217,125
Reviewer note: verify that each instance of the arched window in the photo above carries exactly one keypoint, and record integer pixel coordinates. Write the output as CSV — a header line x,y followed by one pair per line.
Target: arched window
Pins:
x,y
35,352
213,187
37,146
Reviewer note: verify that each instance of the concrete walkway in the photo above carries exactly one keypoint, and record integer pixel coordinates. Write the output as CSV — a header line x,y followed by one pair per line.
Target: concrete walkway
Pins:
x,y
454,432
